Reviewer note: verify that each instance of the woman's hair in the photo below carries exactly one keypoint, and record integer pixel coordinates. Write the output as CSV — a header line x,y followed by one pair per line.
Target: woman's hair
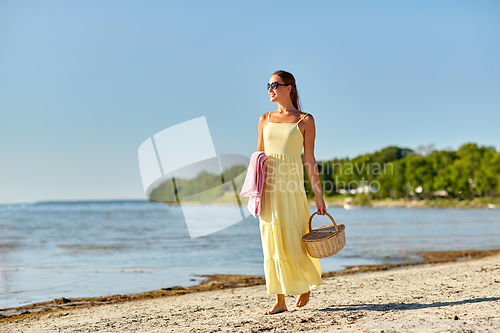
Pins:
x,y
294,94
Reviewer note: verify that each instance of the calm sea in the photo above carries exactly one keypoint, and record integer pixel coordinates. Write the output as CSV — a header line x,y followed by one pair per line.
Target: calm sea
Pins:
x,y
81,249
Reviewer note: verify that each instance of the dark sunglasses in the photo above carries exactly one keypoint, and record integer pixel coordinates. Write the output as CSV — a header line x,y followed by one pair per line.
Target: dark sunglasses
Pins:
x,y
275,85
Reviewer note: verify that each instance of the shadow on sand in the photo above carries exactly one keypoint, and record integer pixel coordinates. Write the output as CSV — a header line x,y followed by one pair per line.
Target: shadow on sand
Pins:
x,y
404,306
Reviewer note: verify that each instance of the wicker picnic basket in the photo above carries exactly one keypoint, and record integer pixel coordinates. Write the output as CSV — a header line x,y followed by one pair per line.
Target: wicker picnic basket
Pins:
x,y
324,241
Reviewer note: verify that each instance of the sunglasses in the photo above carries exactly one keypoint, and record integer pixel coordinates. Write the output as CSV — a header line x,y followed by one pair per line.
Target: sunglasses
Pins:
x,y
275,85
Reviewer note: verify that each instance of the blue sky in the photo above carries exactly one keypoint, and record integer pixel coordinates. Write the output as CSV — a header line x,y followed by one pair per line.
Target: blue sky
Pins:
x,y
84,83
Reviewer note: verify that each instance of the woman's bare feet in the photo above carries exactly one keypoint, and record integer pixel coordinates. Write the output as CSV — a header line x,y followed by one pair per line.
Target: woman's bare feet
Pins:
x,y
279,306
302,299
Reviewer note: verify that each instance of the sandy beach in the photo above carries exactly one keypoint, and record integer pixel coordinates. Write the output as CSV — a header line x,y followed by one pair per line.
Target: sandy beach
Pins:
x,y
437,296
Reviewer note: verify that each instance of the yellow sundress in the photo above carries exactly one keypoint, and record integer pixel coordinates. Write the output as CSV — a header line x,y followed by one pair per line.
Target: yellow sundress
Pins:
x,y
285,213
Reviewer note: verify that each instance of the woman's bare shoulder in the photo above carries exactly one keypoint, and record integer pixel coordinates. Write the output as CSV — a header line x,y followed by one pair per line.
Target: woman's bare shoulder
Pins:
x,y
263,118
308,118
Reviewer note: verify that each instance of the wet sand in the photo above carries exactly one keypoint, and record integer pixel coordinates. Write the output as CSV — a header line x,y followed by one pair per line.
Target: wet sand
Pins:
x,y
462,284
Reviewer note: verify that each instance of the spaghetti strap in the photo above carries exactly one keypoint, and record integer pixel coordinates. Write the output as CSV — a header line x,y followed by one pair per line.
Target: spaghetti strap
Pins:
x,y
268,115
302,117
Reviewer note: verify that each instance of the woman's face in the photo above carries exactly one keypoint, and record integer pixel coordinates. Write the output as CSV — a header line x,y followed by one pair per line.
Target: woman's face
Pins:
x,y
279,94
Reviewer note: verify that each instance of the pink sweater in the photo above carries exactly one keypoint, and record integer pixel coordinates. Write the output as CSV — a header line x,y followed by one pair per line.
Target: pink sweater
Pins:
x,y
254,182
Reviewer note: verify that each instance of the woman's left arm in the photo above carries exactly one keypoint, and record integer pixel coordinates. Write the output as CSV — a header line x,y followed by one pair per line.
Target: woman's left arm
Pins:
x,y
310,162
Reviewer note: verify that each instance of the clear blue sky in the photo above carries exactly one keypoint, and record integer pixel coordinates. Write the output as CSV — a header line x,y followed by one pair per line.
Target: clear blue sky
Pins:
x,y
84,83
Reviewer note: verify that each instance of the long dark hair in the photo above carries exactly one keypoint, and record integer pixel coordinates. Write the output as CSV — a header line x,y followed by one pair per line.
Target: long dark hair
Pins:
x,y
294,94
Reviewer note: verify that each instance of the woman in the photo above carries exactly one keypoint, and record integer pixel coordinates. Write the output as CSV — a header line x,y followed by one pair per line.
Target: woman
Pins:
x,y
284,210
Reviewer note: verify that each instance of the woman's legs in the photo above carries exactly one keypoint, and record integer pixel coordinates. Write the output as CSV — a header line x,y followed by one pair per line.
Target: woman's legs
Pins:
x,y
279,306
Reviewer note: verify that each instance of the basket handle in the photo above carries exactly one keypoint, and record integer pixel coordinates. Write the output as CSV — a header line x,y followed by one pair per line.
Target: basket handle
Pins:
x,y
331,218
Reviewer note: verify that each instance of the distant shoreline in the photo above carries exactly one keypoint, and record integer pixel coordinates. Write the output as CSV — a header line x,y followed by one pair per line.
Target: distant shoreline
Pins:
x,y
478,203
338,201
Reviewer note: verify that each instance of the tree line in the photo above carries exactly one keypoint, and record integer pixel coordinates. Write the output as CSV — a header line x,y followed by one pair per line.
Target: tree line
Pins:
x,y
395,172
392,172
